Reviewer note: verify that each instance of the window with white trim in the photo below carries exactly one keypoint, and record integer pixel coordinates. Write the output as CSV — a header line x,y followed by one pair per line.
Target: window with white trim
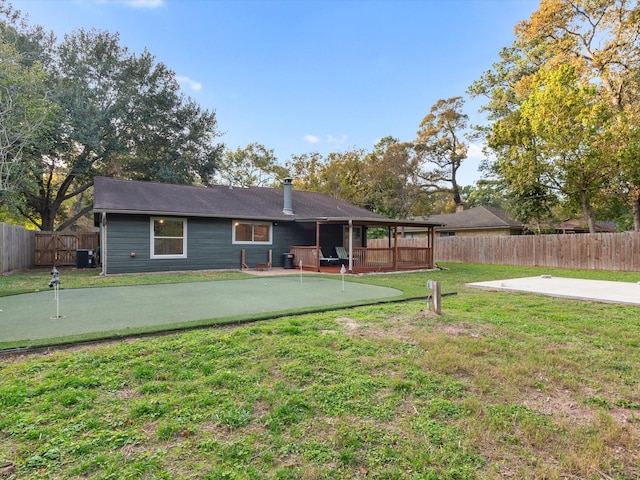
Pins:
x,y
252,232
168,237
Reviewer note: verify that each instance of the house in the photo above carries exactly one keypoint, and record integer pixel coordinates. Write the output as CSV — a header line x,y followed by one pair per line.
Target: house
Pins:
x,y
579,225
155,227
486,221
476,221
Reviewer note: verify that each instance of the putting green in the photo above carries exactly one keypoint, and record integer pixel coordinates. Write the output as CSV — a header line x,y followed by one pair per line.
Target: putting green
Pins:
x,y
116,309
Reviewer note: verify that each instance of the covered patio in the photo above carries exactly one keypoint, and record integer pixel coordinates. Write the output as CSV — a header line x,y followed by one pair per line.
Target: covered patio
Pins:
x,y
352,239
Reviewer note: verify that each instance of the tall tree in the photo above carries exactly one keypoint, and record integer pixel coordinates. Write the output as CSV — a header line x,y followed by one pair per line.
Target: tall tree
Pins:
x,y
391,178
598,39
342,176
254,165
570,125
306,169
484,193
439,142
24,110
118,114
601,40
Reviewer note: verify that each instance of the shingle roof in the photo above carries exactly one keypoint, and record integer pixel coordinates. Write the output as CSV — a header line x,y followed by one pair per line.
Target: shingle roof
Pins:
x,y
128,196
477,217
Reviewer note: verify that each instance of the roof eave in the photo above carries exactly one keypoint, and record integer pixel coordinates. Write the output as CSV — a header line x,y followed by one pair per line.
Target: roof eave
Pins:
x,y
284,218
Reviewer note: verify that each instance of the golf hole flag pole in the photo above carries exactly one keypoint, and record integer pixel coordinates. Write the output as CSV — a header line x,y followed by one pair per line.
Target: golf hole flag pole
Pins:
x,y
342,272
55,284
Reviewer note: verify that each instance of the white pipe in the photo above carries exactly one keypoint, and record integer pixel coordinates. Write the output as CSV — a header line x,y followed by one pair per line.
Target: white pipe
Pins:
x,y
103,242
350,246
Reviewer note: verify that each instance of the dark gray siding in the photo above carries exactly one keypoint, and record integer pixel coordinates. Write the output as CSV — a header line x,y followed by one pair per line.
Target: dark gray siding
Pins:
x,y
209,245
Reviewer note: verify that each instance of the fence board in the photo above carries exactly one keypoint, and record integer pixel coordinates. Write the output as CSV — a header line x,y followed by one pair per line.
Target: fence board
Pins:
x,y
16,248
59,248
600,251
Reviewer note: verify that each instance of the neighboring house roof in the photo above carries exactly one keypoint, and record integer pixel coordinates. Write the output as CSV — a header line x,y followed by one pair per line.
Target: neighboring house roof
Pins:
x,y
579,225
128,196
474,219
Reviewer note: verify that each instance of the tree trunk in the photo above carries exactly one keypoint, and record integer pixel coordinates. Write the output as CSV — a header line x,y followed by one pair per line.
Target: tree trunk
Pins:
x,y
456,192
587,211
635,206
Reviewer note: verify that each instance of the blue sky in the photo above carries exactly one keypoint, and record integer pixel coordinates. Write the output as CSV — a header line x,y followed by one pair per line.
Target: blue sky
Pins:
x,y
301,76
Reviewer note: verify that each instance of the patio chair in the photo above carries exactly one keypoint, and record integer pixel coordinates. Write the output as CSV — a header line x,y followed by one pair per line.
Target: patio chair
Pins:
x,y
327,260
343,256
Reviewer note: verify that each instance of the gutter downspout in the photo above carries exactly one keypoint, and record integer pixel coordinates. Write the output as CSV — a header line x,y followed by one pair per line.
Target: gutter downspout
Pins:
x,y
103,242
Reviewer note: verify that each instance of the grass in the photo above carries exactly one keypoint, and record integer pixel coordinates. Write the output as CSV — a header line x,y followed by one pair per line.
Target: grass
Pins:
x,y
503,385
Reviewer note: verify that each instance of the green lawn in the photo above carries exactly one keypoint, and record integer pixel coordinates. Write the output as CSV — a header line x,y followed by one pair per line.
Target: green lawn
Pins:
x,y
502,385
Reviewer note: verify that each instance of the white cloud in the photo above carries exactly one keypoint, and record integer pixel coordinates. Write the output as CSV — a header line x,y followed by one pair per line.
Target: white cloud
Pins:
x,y
192,84
144,3
474,152
469,171
311,139
341,139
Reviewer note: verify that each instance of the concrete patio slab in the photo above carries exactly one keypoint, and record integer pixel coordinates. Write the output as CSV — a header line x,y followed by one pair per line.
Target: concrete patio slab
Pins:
x,y
575,288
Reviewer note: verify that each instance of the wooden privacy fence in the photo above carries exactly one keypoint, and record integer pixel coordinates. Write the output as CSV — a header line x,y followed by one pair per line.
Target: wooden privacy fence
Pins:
x,y
16,248
60,248
600,251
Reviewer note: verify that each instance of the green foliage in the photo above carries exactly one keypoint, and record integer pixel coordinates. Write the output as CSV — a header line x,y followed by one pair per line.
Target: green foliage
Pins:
x,y
563,105
253,165
112,113
392,177
385,180
439,142
24,113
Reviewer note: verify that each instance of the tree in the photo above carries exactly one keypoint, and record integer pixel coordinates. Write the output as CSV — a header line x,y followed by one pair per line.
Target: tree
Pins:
x,y
118,114
24,109
600,41
570,123
306,170
439,143
342,176
484,193
625,143
391,178
254,165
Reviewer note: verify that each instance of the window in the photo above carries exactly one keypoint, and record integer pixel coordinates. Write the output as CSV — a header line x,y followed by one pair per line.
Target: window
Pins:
x,y
168,237
447,234
252,232
357,236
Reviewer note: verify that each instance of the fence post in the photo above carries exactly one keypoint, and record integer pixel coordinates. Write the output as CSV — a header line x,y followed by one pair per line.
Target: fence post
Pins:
x,y
2,250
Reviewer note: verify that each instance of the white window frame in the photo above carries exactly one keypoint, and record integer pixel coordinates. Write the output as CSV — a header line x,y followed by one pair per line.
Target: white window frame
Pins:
x,y
153,237
253,224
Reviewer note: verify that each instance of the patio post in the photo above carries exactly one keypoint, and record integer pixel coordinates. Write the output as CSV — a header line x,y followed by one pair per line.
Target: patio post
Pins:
x,y
317,246
350,246
395,247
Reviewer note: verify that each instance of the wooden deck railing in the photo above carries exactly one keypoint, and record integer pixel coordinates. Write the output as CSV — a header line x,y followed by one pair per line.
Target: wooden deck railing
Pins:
x,y
384,259
305,254
373,259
